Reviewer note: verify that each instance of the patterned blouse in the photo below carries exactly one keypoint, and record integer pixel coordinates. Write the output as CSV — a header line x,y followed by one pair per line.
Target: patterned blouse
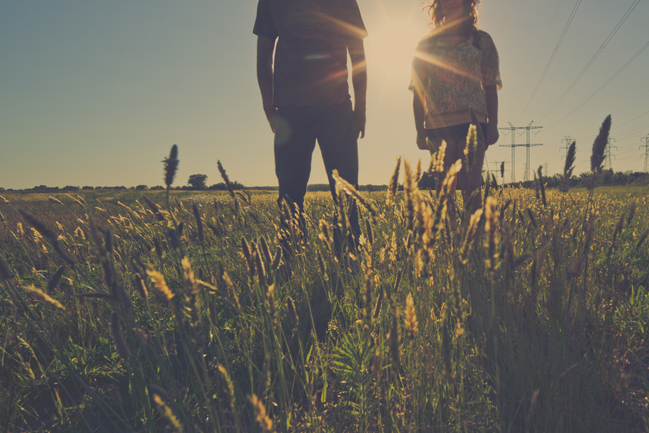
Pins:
x,y
453,80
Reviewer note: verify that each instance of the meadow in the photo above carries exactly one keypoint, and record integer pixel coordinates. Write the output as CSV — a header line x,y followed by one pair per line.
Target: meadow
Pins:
x,y
198,312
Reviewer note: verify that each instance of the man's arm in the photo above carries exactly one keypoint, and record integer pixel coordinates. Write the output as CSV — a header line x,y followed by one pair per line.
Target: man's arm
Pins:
x,y
265,48
492,115
359,81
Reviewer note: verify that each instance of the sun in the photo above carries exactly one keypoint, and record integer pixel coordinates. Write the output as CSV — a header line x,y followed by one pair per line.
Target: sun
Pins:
x,y
390,48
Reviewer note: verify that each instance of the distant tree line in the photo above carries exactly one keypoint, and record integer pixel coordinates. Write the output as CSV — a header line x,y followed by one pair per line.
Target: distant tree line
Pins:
x,y
197,183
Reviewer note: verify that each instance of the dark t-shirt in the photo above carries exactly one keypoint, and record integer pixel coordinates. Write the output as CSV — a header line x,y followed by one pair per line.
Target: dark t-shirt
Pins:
x,y
311,53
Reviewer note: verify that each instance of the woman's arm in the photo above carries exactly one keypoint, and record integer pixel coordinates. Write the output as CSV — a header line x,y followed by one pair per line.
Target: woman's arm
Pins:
x,y
418,109
492,115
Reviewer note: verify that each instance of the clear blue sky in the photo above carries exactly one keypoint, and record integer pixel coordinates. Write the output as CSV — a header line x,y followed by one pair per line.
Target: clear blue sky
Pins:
x,y
96,93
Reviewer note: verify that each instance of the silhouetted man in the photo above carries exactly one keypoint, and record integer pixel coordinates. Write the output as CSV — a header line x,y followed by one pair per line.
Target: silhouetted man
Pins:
x,y
305,91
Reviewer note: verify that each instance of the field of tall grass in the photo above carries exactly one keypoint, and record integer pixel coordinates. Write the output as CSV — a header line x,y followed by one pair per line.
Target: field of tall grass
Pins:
x,y
199,313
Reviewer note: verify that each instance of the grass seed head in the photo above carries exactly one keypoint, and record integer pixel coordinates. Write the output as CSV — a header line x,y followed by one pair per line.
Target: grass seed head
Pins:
x,y
166,412
42,296
262,417
411,317
394,183
171,166
118,337
292,311
199,223
599,146
159,282
54,280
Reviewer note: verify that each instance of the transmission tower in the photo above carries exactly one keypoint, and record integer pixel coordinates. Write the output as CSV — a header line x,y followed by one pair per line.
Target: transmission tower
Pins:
x,y
608,153
566,141
645,146
512,130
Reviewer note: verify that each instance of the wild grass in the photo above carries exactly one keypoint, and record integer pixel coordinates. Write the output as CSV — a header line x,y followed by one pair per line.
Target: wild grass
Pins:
x,y
189,314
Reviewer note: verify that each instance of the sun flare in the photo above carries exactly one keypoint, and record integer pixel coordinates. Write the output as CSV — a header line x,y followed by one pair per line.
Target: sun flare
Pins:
x,y
390,50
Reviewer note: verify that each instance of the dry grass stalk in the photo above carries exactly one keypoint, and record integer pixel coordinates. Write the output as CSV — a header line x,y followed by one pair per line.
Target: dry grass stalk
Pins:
x,y
409,187
632,210
55,200
226,179
166,412
78,201
599,146
641,240
292,311
353,192
265,250
394,183
154,208
441,155
42,296
39,226
541,185
171,166
411,317
138,282
491,227
54,280
262,418
230,387
5,271
469,236
272,309
569,166
232,290
379,304
199,223
118,337
259,265
470,148
97,238
159,283
277,260
245,249
188,273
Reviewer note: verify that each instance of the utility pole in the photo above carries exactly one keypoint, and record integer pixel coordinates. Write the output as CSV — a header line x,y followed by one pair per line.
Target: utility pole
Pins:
x,y
646,151
608,153
512,130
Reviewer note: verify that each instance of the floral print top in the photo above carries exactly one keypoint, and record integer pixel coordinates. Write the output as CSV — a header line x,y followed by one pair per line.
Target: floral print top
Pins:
x,y
453,79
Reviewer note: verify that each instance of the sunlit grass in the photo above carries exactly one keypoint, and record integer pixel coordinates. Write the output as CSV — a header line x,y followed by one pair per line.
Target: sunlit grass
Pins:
x,y
526,317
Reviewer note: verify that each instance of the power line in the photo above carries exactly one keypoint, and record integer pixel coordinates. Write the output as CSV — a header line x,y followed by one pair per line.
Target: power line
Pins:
x,y
626,65
545,37
597,53
554,53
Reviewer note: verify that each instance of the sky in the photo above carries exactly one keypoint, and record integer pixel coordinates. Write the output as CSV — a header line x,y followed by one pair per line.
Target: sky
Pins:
x,y
95,93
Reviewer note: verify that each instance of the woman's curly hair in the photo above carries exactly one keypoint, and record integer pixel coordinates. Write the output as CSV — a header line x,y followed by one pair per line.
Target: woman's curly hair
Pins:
x,y
435,12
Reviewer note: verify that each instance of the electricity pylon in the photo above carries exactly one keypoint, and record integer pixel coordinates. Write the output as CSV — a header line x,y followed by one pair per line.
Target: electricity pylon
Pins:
x,y
608,153
645,146
512,130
